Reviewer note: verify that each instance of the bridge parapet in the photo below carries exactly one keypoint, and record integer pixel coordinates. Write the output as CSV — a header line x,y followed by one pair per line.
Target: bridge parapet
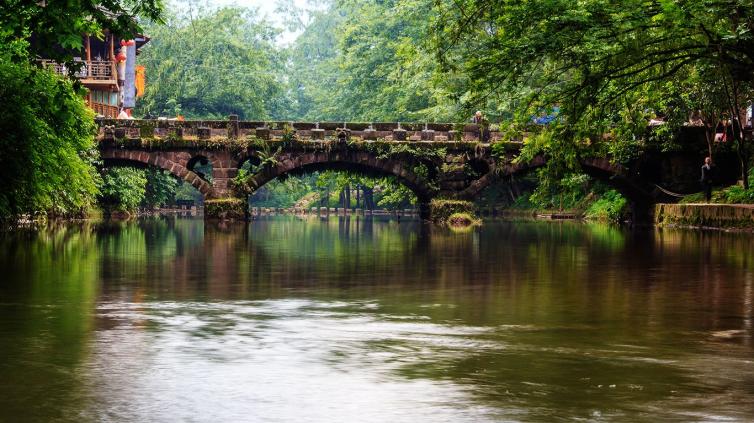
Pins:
x,y
277,130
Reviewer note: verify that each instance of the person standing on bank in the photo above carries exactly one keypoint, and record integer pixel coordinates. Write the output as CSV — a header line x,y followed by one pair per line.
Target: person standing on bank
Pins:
x,y
706,179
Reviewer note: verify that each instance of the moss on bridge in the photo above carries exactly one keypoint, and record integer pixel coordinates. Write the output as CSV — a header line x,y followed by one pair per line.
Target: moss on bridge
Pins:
x,y
379,146
226,209
447,212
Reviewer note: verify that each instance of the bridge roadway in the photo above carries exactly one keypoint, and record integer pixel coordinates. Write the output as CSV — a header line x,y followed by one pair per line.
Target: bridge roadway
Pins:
x,y
434,160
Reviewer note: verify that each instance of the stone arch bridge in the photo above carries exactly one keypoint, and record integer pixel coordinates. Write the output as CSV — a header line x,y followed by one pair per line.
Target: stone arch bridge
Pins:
x,y
433,160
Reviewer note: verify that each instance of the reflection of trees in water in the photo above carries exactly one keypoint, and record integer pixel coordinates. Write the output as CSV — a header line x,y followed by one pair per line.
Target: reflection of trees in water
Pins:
x,y
334,252
48,290
146,255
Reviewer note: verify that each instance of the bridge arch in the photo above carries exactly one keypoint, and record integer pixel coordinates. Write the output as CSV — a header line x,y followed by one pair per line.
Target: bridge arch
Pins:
x,y
357,161
614,175
618,177
145,159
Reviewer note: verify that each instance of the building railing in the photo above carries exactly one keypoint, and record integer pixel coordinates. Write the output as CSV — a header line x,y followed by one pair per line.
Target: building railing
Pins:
x,y
98,70
105,110
60,68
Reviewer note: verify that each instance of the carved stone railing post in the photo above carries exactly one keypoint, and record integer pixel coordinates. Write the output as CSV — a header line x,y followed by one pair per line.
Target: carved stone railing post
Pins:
x,y
317,134
399,134
343,134
233,127
203,133
428,134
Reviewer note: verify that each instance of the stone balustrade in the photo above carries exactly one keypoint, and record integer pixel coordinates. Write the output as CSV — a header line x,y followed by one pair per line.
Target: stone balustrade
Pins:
x,y
233,128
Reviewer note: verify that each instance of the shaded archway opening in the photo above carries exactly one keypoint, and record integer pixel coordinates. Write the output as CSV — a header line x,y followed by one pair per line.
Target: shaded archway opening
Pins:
x,y
505,193
518,188
362,164
201,166
337,185
113,158
640,200
162,189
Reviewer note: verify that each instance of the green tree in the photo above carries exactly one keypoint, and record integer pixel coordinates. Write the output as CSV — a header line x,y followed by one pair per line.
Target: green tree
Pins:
x,y
46,142
123,189
604,63
207,64
160,188
369,61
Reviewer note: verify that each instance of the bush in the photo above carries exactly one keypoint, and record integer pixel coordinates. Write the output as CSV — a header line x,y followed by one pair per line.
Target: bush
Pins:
x,y
611,206
463,220
47,149
123,189
737,195
565,193
225,209
441,210
160,189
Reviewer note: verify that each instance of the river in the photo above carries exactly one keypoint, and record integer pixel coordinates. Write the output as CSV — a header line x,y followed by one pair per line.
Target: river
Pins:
x,y
360,320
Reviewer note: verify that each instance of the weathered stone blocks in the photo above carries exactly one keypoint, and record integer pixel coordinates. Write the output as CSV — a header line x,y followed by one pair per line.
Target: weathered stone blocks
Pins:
x,y
225,209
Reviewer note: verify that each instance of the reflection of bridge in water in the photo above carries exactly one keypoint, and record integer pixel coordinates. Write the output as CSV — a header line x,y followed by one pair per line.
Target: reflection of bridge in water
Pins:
x,y
433,160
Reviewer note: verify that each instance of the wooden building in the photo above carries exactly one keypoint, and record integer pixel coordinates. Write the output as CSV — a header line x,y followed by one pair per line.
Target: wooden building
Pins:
x,y
107,68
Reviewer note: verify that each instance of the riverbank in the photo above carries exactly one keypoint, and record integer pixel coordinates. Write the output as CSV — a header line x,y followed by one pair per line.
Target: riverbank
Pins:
x,y
701,215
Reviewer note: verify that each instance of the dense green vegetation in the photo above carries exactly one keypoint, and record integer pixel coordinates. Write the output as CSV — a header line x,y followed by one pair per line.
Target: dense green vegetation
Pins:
x,y
609,66
369,61
46,140
209,64
128,189
122,189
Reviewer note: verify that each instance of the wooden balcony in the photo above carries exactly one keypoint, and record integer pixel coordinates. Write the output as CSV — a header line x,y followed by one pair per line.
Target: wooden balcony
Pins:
x,y
60,69
100,73
110,112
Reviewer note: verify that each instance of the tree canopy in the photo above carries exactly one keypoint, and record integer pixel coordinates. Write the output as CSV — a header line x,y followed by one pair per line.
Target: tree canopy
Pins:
x,y
209,63
608,65
57,26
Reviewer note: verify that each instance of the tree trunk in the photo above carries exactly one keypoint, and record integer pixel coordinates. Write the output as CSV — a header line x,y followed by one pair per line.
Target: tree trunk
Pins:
x,y
743,158
737,117
369,198
510,192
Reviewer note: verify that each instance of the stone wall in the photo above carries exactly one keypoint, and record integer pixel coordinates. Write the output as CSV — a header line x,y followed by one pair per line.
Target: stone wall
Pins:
x,y
725,216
